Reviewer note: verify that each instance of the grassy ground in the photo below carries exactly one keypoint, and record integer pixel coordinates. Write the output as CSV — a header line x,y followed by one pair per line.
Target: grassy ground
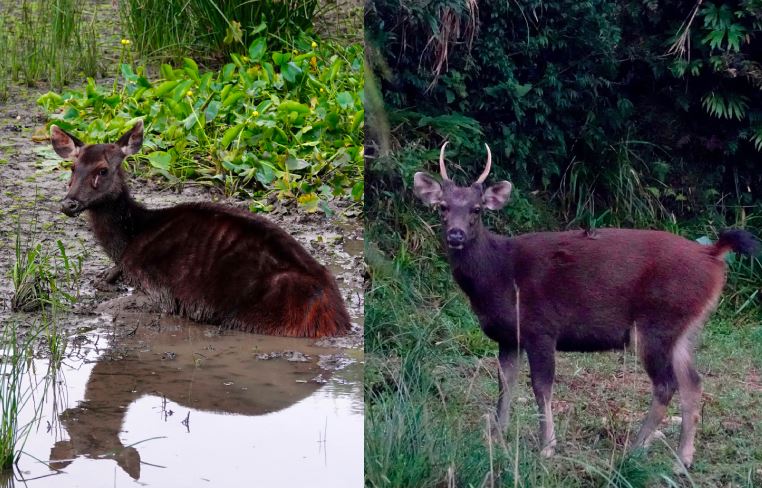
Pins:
x,y
431,381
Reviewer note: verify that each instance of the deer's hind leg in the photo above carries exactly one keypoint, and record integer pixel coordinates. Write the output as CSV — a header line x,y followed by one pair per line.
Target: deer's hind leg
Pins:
x,y
689,385
542,367
654,353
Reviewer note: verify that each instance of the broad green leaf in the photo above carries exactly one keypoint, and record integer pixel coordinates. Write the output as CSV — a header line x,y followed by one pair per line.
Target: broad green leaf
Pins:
x,y
230,134
357,122
292,106
181,90
211,110
358,190
227,72
291,71
295,164
160,160
265,175
167,72
257,49
191,68
127,73
345,99
164,88
232,98
50,101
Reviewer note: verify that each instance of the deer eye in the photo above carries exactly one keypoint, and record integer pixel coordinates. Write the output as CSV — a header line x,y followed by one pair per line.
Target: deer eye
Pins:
x,y
443,207
103,172
476,210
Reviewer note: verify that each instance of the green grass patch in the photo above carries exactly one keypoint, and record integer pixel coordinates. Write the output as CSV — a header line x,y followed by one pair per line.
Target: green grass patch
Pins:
x,y
175,28
51,40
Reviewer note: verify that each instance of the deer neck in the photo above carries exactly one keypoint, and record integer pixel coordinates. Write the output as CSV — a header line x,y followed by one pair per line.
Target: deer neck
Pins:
x,y
468,260
116,222
475,266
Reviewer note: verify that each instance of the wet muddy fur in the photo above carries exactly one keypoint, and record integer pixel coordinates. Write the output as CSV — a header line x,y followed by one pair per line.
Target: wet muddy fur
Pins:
x,y
580,293
209,262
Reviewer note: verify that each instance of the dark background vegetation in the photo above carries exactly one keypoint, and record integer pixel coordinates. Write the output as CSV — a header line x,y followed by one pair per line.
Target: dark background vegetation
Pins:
x,y
640,114
580,100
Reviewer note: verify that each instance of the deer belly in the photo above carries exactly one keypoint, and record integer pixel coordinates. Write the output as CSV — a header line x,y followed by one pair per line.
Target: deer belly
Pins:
x,y
592,337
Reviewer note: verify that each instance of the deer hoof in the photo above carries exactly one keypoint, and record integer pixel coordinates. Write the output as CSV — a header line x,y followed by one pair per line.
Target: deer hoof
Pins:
x,y
548,451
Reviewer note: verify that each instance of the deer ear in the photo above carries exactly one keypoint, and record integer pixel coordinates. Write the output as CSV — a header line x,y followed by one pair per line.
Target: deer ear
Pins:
x,y
131,141
427,189
64,144
497,195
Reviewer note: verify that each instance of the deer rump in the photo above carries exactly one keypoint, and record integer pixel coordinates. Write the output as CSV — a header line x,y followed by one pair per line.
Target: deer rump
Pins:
x,y
218,265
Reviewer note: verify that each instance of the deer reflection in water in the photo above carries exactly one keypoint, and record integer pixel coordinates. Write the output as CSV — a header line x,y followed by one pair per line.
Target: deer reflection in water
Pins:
x,y
189,365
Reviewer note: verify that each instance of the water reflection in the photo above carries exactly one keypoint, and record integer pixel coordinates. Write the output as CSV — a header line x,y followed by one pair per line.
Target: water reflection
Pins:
x,y
185,406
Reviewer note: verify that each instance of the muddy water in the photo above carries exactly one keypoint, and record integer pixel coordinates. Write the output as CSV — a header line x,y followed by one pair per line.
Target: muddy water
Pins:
x,y
175,404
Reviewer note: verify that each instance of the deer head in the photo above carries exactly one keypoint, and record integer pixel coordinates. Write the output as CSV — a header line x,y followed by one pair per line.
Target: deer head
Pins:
x,y
461,207
96,175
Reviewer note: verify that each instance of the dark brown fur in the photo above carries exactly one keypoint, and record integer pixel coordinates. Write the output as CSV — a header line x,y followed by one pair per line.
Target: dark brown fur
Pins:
x,y
209,262
583,292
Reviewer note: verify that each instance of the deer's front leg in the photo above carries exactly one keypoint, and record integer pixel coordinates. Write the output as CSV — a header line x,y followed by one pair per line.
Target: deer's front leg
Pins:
x,y
542,368
507,371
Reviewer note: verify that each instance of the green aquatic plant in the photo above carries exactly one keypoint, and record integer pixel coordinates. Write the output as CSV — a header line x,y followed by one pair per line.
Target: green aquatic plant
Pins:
x,y
283,122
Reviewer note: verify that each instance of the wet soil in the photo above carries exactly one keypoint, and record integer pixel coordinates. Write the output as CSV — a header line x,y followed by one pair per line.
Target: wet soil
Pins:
x,y
136,385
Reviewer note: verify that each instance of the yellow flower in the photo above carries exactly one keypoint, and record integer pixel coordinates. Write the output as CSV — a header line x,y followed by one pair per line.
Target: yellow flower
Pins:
x,y
189,93
125,42
255,113
314,44
313,62
322,90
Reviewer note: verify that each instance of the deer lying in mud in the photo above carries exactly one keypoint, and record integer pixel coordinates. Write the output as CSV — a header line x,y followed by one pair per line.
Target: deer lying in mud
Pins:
x,y
208,262
573,291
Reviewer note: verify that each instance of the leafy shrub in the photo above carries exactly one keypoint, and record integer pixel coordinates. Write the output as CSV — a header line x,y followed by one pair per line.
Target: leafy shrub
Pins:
x,y
288,122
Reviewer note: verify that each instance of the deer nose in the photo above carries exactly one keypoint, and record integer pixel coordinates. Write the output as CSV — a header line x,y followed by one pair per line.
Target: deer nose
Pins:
x,y
456,237
70,207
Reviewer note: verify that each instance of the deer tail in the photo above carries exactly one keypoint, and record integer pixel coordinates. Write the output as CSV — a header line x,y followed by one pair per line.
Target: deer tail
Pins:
x,y
737,240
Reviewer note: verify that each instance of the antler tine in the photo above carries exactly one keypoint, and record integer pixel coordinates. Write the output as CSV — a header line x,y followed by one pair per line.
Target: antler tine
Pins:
x,y
489,165
442,169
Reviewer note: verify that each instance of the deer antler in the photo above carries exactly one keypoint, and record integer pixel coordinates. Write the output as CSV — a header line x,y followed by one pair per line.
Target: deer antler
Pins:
x,y
489,165
442,169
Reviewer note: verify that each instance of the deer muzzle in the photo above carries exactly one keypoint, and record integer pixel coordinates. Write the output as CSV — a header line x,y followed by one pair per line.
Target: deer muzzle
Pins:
x,y
456,238
71,207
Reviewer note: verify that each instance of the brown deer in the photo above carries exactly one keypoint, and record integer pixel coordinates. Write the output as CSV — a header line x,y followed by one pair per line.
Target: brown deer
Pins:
x,y
209,262
576,291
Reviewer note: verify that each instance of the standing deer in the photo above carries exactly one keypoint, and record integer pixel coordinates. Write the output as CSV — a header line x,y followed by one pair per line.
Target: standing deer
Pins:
x,y
572,291
208,262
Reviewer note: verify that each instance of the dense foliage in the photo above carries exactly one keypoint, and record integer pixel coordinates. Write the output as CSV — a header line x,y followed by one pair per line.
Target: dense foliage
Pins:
x,y
176,27
288,122
645,108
